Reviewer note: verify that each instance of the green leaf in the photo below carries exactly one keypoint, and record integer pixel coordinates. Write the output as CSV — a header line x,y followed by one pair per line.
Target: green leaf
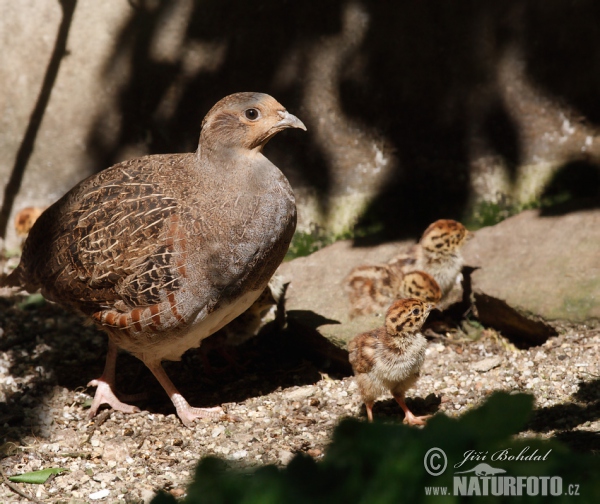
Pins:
x,y
37,477
384,463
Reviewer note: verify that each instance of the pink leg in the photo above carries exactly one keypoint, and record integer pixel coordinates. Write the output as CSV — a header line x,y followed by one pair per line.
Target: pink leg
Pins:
x,y
409,418
185,412
106,383
369,406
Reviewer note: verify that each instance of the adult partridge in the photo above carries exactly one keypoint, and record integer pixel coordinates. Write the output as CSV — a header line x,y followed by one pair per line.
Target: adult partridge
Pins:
x,y
164,250
389,359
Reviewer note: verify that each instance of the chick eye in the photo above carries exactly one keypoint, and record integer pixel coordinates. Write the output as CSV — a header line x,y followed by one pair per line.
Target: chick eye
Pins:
x,y
252,114
416,311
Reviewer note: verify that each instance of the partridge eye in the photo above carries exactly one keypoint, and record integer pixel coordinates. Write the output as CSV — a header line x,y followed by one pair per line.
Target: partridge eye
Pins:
x,y
252,114
416,311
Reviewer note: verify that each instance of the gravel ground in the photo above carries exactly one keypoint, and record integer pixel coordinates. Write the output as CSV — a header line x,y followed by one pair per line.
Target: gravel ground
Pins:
x,y
277,402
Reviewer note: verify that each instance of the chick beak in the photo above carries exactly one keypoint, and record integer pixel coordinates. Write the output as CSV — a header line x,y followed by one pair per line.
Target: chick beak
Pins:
x,y
289,121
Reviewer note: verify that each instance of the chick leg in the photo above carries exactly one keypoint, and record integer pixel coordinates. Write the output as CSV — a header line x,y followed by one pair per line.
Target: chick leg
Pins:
x,y
185,412
369,406
106,383
409,418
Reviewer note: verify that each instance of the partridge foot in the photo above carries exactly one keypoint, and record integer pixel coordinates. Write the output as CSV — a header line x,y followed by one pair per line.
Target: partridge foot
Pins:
x,y
105,384
188,414
105,395
409,418
185,412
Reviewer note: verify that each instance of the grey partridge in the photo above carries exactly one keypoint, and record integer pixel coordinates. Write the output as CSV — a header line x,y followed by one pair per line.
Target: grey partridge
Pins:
x,y
389,359
164,250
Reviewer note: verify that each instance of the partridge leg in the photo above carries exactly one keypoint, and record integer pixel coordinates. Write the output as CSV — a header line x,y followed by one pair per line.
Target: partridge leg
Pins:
x,y
185,412
409,418
369,406
106,383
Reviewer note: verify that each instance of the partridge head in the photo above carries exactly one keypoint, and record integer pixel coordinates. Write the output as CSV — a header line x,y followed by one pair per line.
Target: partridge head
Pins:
x,y
439,252
389,359
420,285
372,288
164,250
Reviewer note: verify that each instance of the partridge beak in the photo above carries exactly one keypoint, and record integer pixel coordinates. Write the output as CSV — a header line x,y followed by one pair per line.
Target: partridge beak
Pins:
x,y
289,121
470,235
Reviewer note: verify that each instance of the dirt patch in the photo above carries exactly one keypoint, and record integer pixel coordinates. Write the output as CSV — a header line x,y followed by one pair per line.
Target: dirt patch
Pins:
x,y
281,400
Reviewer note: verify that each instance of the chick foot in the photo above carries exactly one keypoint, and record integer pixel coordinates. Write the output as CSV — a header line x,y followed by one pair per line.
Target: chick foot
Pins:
x,y
409,417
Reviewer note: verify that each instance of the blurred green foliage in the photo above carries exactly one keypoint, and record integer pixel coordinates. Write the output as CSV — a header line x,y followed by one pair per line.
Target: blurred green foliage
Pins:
x,y
316,237
384,463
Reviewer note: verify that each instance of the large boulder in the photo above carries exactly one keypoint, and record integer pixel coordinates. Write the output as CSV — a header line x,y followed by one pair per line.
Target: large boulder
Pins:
x,y
532,270
543,266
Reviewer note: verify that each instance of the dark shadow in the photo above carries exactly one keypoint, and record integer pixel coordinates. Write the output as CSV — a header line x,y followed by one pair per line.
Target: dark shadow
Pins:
x,y
310,318
424,77
500,132
389,409
522,331
419,90
27,144
576,186
560,42
70,353
562,419
415,91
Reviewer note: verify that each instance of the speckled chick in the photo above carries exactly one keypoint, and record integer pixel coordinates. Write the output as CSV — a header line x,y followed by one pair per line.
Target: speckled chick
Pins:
x,y
438,253
164,250
372,288
389,359
25,219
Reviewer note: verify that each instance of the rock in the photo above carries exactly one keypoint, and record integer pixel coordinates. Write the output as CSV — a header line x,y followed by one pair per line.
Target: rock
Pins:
x,y
316,298
238,455
105,477
285,456
486,364
535,268
298,394
531,269
217,431
115,450
102,494
147,494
